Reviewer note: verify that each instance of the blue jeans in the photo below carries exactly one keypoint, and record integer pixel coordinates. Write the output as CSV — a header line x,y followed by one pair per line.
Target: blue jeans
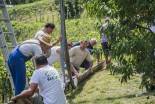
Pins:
x,y
85,64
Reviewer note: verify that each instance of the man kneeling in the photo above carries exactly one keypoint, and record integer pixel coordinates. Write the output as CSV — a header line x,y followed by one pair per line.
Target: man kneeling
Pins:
x,y
47,79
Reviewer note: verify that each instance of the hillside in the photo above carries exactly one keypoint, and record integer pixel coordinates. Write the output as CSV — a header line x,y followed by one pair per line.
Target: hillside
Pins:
x,y
100,88
103,88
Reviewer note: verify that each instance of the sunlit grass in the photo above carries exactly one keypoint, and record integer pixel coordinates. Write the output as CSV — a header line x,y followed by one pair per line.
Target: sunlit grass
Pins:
x,y
30,4
102,88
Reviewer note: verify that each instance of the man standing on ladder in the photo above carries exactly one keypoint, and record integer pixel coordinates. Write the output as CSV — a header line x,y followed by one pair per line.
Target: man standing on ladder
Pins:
x,y
48,29
23,53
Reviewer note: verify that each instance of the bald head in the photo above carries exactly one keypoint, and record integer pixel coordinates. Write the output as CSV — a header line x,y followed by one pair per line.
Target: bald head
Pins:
x,y
93,42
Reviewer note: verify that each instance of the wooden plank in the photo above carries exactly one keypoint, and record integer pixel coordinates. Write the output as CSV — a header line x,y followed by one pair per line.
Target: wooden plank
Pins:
x,y
95,68
87,73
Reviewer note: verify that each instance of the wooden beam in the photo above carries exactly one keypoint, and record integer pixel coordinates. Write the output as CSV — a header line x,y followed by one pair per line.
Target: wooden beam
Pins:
x,y
95,68
84,75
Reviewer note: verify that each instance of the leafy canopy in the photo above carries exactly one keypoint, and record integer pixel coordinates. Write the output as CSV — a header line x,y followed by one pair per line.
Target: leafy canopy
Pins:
x,y
129,32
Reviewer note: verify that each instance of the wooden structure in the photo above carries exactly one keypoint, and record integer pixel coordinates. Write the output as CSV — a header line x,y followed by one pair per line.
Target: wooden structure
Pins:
x,y
84,75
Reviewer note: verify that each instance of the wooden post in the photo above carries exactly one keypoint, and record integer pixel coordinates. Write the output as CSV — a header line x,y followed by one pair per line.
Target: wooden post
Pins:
x,y
64,46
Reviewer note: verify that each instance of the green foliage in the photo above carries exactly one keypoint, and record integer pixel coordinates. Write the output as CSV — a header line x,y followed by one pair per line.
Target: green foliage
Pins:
x,y
69,10
77,11
98,52
5,87
132,40
72,9
16,2
102,88
28,12
25,31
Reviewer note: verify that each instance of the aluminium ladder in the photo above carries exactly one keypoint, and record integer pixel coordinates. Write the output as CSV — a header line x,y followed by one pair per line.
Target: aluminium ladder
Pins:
x,y
5,21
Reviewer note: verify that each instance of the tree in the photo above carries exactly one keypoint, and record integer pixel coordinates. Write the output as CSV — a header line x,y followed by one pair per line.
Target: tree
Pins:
x,y
16,2
69,10
133,42
76,3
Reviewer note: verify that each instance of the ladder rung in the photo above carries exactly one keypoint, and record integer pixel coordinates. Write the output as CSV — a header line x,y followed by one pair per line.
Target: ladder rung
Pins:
x,y
11,46
8,32
4,19
8,47
3,47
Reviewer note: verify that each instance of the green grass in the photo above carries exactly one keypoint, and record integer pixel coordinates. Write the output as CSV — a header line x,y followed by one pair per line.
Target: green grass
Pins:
x,y
30,4
102,88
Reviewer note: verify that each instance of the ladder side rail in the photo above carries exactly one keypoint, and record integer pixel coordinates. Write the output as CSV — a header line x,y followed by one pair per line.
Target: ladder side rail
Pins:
x,y
5,53
9,25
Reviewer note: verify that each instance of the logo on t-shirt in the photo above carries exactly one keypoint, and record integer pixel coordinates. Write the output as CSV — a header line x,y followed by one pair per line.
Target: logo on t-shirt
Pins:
x,y
51,75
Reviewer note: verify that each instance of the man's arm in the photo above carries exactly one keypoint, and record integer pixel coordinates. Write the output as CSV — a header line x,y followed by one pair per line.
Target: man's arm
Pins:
x,y
71,66
27,93
56,41
74,71
91,63
90,59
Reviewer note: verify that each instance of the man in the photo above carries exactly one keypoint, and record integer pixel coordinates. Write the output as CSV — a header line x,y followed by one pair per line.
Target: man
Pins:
x,y
48,29
91,43
55,57
78,54
47,79
104,41
24,52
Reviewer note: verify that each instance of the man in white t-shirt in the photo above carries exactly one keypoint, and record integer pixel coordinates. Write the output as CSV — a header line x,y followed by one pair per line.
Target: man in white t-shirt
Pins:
x,y
47,79
79,53
48,29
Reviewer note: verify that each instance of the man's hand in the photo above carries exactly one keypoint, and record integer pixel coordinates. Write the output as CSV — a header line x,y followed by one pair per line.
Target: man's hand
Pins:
x,y
77,75
91,70
59,38
56,41
14,99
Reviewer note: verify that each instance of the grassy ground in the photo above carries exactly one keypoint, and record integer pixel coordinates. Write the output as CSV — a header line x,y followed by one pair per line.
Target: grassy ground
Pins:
x,y
102,88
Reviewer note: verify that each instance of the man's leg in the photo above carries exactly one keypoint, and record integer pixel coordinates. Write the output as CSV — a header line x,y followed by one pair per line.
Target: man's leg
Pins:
x,y
36,99
106,54
20,77
85,64
18,72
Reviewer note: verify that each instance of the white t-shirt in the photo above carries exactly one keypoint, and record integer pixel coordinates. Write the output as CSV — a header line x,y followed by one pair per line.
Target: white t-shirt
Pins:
x,y
152,28
39,33
50,86
30,48
77,56
54,57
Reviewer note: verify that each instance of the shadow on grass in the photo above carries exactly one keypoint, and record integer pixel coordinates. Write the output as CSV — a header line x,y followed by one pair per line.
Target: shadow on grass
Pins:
x,y
120,97
147,94
77,90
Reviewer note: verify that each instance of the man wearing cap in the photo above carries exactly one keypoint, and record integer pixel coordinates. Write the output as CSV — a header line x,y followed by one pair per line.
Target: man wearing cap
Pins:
x,y
47,79
48,29
24,52
91,44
